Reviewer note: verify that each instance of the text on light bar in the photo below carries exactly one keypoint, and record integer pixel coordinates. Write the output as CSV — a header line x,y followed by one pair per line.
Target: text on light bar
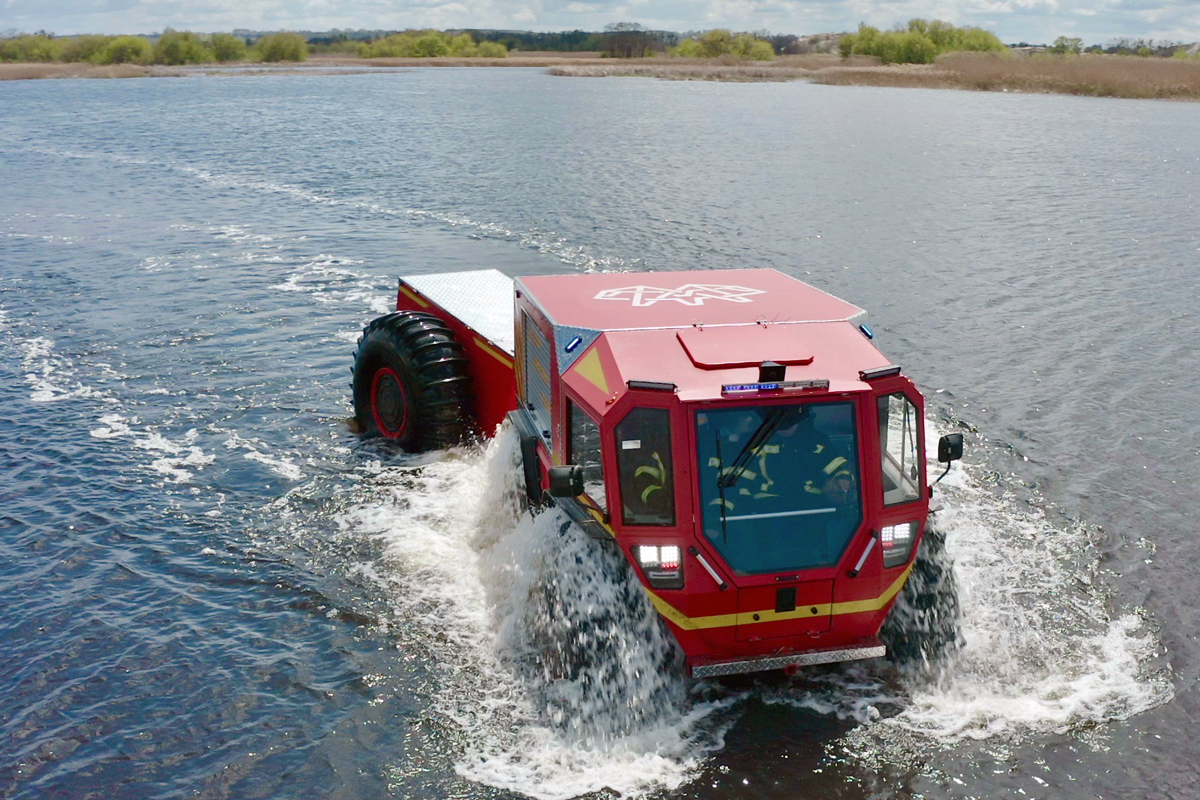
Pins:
x,y
774,386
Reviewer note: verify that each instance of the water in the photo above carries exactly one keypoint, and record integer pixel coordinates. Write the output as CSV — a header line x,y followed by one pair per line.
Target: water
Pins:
x,y
212,588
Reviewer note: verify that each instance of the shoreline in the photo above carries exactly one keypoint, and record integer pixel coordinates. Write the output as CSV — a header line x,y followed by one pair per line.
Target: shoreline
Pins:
x,y
1087,75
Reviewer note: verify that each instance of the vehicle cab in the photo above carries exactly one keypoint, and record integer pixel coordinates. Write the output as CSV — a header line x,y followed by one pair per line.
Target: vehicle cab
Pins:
x,y
758,461
737,434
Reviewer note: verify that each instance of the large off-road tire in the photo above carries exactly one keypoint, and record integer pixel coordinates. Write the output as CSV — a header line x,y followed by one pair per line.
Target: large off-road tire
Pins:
x,y
923,627
410,382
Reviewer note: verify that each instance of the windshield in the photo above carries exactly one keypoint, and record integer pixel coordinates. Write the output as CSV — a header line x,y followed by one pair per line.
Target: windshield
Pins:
x,y
779,484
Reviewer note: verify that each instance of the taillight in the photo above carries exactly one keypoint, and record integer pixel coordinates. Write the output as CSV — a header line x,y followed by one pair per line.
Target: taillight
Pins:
x,y
897,541
662,565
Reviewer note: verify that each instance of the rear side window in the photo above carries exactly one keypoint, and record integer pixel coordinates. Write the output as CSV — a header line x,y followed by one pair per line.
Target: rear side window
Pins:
x,y
584,450
898,421
644,467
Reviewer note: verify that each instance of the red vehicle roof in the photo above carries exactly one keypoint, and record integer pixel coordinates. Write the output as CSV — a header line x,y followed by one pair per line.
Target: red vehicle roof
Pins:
x,y
642,300
701,330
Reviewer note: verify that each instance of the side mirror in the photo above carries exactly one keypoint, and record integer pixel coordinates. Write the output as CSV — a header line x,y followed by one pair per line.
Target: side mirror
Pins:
x,y
950,448
567,481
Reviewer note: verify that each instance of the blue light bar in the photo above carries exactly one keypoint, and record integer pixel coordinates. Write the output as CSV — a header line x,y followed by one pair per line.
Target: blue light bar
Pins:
x,y
774,386
571,345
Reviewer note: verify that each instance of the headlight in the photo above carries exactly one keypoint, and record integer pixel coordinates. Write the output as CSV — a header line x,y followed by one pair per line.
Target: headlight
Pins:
x,y
897,541
662,565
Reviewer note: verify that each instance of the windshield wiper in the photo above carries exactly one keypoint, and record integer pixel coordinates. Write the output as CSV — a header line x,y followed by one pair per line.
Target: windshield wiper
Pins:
x,y
761,436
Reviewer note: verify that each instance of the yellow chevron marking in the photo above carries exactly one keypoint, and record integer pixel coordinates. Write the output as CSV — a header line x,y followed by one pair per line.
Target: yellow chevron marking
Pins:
x,y
590,369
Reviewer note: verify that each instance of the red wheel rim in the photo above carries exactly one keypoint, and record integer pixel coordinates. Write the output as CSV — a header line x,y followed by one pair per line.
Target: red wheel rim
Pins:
x,y
389,404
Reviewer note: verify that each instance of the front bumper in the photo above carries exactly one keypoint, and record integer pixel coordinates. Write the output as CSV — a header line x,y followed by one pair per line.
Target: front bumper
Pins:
x,y
716,669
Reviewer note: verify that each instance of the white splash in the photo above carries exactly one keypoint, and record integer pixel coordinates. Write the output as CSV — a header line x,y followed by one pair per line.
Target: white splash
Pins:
x,y
1040,651
554,669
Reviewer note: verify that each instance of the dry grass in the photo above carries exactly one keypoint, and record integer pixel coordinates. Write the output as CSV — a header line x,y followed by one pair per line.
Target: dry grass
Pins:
x,y
685,72
723,68
21,72
1094,75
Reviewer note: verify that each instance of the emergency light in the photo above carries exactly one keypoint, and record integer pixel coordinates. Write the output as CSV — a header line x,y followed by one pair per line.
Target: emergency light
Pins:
x,y
773,386
663,565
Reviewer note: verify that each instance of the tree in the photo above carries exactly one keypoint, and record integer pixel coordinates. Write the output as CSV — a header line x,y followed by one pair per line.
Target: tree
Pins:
x,y
227,48
127,50
281,47
180,47
1067,46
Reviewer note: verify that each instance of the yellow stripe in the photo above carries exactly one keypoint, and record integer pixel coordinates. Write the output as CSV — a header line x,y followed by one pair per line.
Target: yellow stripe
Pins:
x,y
596,515
770,615
411,295
493,352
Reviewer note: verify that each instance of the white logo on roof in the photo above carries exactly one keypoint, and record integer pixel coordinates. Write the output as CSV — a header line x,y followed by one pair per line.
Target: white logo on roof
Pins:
x,y
691,294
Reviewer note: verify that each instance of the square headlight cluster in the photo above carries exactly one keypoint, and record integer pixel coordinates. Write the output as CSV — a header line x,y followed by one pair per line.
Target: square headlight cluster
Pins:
x,y
897,541
662,565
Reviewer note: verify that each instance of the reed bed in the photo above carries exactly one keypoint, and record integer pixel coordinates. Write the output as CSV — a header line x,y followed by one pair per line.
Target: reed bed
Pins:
x,y
27,71
722,68
1092,75
685,72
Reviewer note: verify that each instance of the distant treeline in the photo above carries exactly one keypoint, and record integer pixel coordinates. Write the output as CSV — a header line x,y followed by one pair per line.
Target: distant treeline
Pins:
x,y
171,48
920,41
1146,48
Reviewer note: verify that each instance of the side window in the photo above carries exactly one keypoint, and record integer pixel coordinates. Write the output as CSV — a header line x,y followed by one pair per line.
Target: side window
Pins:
x,y
537,373
644,467
584,449
898,421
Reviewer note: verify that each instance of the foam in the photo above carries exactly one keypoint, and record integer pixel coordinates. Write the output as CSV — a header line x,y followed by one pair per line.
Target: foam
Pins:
x,y
50,375
282,466
175,461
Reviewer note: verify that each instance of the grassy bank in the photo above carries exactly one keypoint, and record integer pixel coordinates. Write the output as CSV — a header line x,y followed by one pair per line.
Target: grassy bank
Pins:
x,y
1092,75
1095,75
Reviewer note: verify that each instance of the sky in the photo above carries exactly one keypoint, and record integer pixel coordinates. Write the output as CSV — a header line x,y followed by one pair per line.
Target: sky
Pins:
x,y
1034,21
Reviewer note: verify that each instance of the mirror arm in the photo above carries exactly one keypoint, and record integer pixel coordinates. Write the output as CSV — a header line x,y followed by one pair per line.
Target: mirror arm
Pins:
x,y
944,474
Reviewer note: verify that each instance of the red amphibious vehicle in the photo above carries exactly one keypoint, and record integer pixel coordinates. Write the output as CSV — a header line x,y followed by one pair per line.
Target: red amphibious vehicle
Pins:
x,y
759,463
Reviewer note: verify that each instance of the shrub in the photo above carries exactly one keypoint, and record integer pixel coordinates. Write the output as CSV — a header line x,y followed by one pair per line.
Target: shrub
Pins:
x,y
721,42
688,48
919,43
492,50
431,45
227,48
281,47
126,50
463,46
30,47
180,47
83,48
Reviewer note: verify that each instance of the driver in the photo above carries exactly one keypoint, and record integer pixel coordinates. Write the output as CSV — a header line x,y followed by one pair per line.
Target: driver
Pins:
x,y
798,457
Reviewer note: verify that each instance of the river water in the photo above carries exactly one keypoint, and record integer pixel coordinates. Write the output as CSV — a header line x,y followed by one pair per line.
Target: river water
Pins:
x,y
212,588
